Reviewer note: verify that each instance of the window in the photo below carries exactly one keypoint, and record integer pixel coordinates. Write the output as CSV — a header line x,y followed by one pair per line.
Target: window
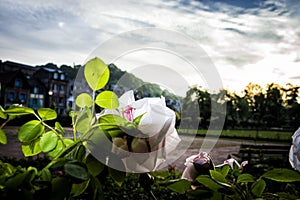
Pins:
x,y
35,90
11,96
54,87
55,75
62,89
22,97
62,77
18,83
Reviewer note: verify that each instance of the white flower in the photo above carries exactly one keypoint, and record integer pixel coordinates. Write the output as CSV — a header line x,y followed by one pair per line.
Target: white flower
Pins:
x,y
157,125
294,156
232,162
197,165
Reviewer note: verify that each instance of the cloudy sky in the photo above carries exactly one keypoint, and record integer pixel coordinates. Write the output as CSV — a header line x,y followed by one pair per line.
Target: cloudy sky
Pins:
x,y
248,41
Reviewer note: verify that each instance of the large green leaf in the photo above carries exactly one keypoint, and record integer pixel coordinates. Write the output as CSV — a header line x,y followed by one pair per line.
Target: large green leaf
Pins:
x,y
282,175
30,131
94,166
19,111
47,114
217,176
78,189
3,138
14,182
32,148
180,186
76,171
245,178
258,187
107,99
96,73
84,100
208,182
48,141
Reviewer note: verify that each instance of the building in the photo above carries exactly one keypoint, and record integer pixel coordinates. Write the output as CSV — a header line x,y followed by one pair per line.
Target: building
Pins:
x,y
55,84
15,89
33,87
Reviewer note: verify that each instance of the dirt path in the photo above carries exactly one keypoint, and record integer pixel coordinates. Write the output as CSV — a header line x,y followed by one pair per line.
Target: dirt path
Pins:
x,y
219,149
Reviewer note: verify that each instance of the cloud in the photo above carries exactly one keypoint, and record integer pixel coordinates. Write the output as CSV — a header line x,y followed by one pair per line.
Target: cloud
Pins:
x,y
237,35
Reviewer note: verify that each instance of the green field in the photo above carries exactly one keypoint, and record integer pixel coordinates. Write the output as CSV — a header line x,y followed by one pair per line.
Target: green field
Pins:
x,y
244,134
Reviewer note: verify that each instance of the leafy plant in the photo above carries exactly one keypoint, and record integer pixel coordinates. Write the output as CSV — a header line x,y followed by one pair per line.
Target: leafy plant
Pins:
x,y
71,170
225,182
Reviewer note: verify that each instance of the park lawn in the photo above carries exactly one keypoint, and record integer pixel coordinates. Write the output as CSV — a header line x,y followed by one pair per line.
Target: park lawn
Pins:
x,y
243,134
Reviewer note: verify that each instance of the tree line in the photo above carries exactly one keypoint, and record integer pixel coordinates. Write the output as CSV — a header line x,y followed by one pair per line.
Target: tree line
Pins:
x,y
271,107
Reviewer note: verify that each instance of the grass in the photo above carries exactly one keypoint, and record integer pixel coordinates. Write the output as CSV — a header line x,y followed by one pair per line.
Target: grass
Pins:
x,y
243,134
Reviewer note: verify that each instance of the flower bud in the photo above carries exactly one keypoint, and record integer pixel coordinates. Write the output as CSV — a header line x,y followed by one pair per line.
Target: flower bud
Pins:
x,y
139,145
197,165
120,147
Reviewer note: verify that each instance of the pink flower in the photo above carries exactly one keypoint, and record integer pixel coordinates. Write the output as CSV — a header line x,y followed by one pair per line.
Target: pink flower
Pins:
x,y
197,165
128,113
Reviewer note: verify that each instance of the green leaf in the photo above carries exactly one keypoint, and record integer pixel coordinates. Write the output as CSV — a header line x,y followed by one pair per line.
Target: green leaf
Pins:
x,y
282,175
258,187
2,114
96,73
94,166
80,153
19,111
48,141
30,131
61,188
107,99
217,176
45,174
78,189
84,100
47,114
223,169
117,176
208,182
111,124
59,127
97,189
245,178
180,186
15,181
76,171
137,120
112,119
32,148
84,121
3,138
59,147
